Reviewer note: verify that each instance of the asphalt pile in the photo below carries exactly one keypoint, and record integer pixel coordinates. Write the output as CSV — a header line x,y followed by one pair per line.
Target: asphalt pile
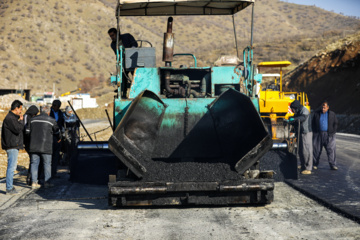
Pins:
x,y
283,163
190,172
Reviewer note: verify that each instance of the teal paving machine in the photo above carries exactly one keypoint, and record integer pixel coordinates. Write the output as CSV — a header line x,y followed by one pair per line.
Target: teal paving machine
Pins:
x,y
186,135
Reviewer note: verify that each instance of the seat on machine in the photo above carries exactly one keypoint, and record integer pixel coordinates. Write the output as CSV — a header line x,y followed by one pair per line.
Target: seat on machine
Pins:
x,y
139,57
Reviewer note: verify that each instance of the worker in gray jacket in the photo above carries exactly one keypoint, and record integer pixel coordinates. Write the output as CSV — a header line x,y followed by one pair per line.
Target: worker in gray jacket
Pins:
x,y
302,114
41,130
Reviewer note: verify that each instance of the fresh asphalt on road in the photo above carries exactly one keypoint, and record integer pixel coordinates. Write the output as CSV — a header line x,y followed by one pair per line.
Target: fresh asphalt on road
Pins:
x,y
337,189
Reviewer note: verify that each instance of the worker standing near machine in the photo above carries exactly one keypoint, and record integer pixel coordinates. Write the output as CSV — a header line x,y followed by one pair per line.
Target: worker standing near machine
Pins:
x,y
12,141
41,130
30,113
59,117
71,135
325,125
302,120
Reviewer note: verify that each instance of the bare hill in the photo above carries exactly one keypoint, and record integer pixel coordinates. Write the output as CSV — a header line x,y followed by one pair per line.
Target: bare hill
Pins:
x,y
49,42
332,75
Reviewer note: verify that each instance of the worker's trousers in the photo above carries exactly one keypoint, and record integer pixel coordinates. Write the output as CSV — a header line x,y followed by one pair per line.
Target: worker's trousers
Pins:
x,y
306,151
320,140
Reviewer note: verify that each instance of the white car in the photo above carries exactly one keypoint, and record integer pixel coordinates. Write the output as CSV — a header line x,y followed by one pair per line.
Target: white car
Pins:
x,y
40,101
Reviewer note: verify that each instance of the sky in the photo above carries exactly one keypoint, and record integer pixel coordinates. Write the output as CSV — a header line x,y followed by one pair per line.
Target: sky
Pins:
x,y
347,7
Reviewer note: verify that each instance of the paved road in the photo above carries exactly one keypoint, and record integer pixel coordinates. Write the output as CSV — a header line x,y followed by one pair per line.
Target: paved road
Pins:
x,y
80,211
339,190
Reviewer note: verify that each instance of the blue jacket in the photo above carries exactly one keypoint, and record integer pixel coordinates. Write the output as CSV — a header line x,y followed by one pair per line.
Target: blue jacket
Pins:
x,y
332,122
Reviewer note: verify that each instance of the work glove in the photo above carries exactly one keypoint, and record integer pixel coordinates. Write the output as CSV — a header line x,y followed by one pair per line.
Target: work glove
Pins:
x,y
291,119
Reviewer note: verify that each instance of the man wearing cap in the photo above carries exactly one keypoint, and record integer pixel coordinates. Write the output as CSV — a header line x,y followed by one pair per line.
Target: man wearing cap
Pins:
x,y
324,126
302,115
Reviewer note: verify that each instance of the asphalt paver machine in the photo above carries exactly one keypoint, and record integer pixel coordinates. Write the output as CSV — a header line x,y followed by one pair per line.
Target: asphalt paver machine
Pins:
x,y
186,135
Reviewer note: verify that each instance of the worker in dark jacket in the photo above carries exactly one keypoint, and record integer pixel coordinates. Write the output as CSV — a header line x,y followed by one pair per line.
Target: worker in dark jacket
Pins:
x,y
12,140
59,117
30,113
41,130
324,128
302,114
57,113
126,40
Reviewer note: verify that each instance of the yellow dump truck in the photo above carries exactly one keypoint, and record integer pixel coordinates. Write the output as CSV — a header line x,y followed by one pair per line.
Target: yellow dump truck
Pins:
x,y
274,105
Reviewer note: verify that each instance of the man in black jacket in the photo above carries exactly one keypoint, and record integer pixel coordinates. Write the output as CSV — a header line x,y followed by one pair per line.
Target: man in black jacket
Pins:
x,y
59,117
41,130
12,140
127,40
324,127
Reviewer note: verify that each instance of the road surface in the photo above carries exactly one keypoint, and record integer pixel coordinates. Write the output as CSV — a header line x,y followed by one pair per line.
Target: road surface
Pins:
x,y
80,211
338,190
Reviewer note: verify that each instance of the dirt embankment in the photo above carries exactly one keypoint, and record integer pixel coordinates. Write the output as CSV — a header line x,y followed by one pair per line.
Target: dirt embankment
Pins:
x,y
332,75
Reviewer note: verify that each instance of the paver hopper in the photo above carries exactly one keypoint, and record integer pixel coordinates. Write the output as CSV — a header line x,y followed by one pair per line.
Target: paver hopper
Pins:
x,y
161,143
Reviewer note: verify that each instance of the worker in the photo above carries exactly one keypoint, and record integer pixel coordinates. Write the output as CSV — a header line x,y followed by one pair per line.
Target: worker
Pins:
x,y
324,128
71,138
59,117
30,113
41,130
126,40
11,141
302,114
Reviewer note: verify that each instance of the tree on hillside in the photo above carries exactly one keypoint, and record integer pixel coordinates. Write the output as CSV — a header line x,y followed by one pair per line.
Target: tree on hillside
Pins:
x,y
88,83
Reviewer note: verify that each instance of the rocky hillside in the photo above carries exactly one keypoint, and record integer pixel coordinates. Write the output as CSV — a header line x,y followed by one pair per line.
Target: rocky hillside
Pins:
x,y
57,43
333,75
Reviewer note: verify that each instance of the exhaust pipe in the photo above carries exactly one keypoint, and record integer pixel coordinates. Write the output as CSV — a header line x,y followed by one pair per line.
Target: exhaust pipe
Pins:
x,y
168,49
